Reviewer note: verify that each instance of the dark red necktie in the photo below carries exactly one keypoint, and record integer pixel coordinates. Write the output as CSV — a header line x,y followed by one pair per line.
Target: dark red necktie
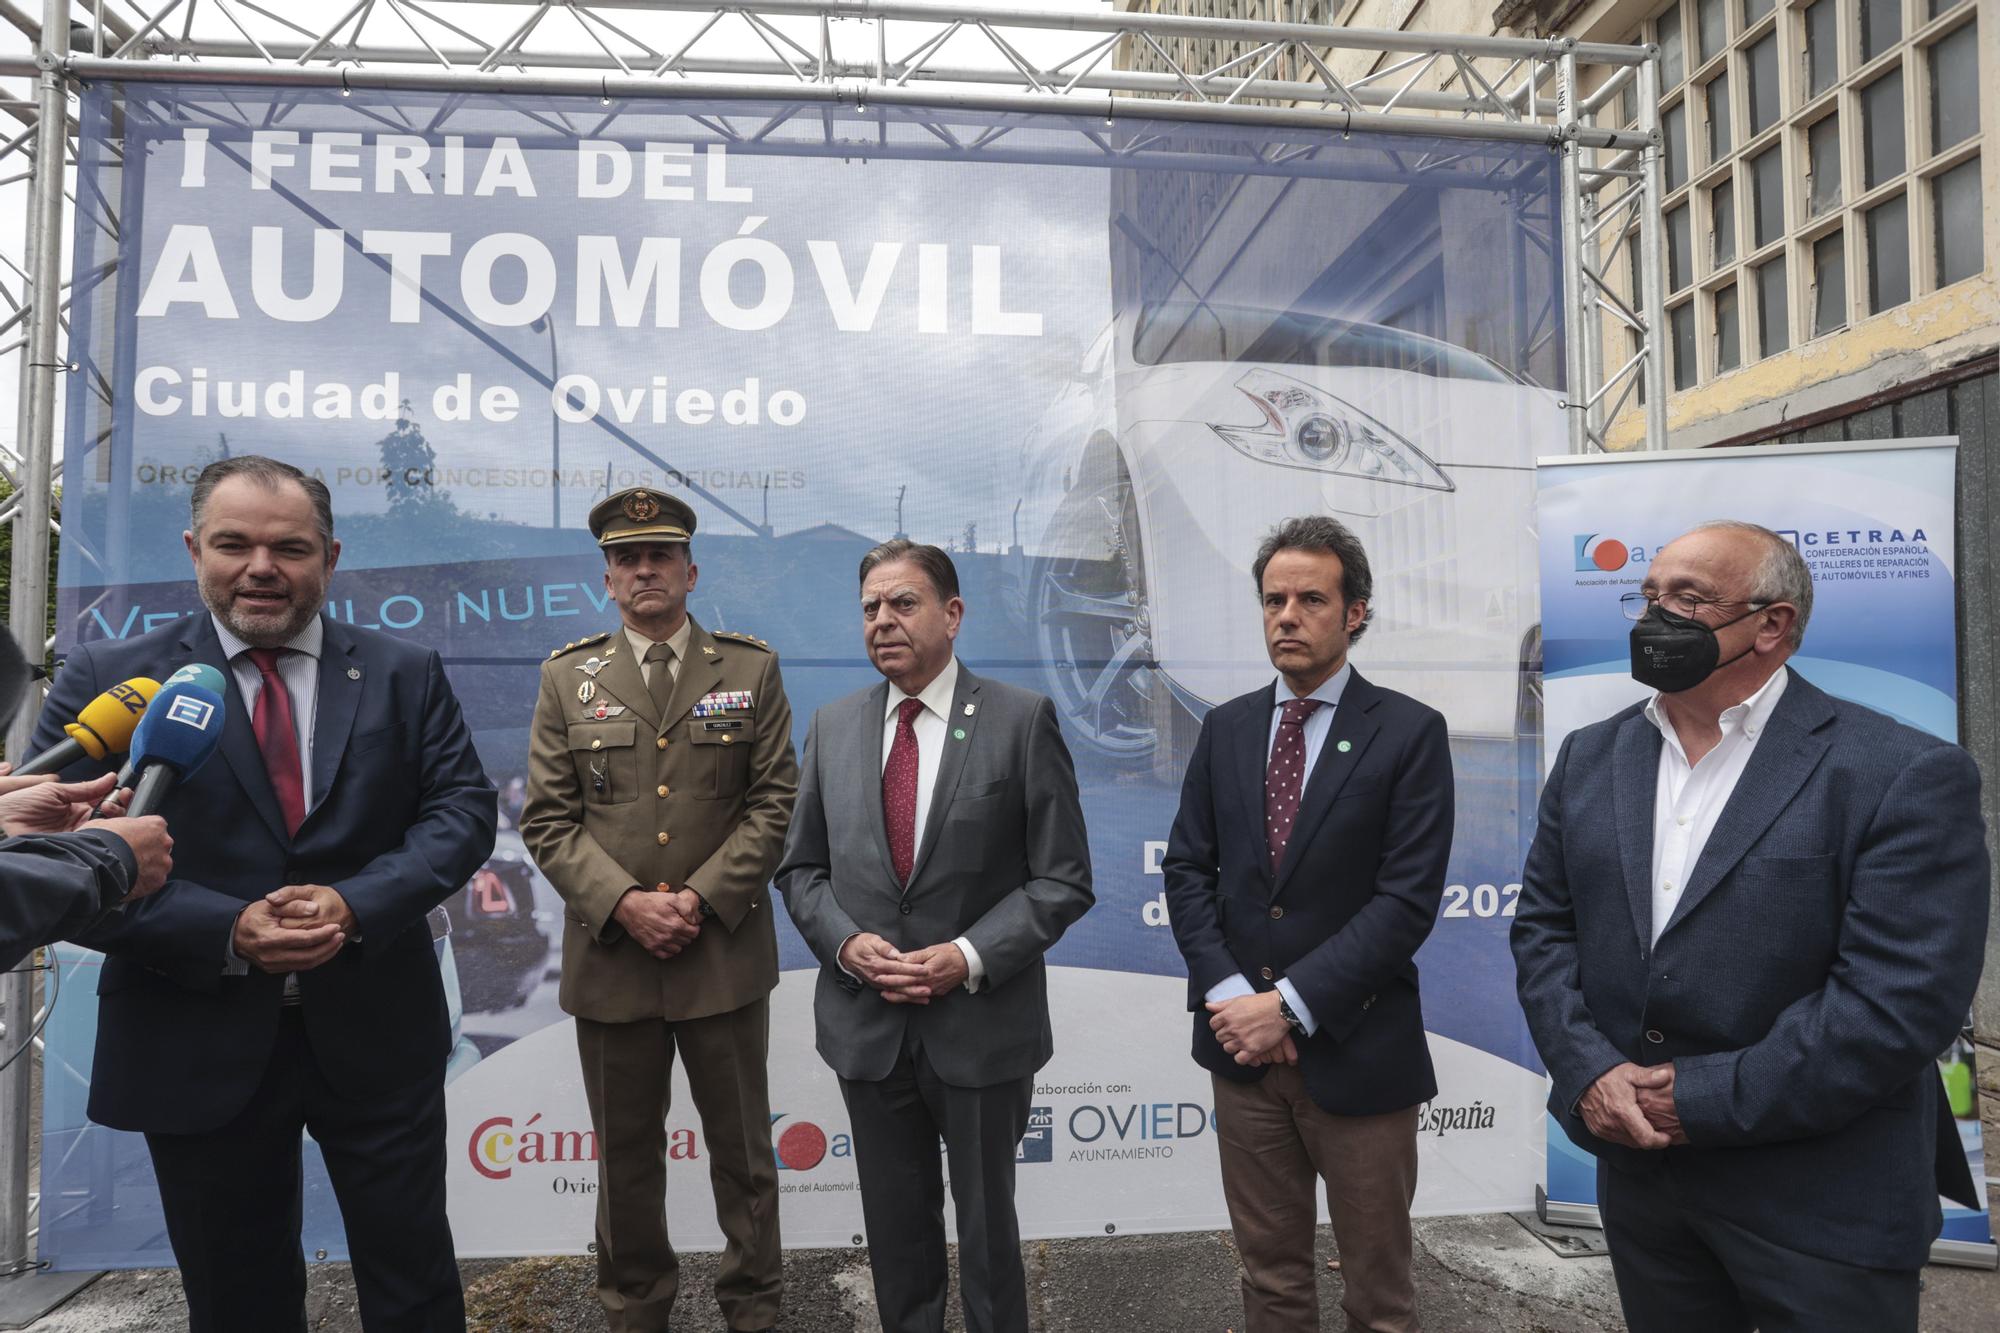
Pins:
x,y
899,790
1286,776
278,738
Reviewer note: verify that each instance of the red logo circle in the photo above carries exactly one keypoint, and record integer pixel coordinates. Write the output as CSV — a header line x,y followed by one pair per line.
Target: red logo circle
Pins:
x,y
1609,555
802,1146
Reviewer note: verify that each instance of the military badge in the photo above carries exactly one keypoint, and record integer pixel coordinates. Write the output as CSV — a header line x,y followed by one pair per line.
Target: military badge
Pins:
x,y
642,507
722,701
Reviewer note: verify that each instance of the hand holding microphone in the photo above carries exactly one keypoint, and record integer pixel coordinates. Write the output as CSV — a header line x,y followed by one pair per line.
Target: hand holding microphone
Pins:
x,y
152,847
48,806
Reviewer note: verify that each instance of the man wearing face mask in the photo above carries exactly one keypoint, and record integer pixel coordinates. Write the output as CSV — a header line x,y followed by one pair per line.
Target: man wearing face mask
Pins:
x,y
1751,918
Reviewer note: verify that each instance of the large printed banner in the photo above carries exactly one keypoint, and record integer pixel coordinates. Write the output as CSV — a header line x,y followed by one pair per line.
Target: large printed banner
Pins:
x,y
1874,523
1097,362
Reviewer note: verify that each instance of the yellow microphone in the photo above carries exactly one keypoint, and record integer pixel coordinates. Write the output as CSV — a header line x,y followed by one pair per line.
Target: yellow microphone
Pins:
x,y
103,728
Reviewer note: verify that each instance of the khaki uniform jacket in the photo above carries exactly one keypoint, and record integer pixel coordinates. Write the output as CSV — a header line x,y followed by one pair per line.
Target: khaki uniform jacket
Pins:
x,y
633,800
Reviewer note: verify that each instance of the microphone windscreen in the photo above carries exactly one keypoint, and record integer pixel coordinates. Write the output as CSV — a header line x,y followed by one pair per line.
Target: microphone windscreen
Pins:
x,y
105,725
198,673
182,728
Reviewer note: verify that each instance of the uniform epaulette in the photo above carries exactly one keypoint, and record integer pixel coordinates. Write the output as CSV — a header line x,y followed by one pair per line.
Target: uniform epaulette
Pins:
x,y
584,642
750,639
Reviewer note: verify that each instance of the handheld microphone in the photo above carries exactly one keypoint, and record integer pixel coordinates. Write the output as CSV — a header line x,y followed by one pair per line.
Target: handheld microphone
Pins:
x,y
176,737
194,673
103,728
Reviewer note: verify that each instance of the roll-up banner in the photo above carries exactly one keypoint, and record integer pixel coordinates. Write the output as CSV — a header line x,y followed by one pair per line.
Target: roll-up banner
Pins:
x,y
1097,362
1874,521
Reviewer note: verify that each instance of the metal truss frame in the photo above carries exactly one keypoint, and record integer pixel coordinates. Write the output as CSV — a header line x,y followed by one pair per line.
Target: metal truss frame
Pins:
x,y
808,56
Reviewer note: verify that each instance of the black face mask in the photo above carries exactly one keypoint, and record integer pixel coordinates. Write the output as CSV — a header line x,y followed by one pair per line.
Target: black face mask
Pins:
x,y
1671,653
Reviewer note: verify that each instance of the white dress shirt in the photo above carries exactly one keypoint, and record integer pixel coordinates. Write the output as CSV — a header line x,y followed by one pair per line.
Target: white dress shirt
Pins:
x,y
299,669
1318,724
678,641
1688,800
930,725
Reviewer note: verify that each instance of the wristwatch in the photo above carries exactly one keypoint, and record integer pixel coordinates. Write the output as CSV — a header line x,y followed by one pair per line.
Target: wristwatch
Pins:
x,y
1292,1019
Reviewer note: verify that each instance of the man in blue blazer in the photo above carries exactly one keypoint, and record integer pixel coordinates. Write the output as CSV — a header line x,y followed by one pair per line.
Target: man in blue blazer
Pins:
x,y
1751,919
1304,870
285,978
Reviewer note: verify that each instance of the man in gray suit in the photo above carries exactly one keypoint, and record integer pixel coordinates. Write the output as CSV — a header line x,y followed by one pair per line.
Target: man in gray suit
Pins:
x,y
929,899
1750,921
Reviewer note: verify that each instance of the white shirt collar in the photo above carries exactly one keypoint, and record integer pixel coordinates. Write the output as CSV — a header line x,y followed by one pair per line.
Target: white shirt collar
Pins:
x,y
1329,690
678,641
1751,716
935,696
307,640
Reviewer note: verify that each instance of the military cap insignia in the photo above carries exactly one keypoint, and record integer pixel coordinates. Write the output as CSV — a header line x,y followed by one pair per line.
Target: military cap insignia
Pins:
x,y
642,507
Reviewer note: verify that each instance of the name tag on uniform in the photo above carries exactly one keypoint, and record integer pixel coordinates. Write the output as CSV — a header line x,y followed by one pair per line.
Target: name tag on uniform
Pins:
x,y
721,701
726,724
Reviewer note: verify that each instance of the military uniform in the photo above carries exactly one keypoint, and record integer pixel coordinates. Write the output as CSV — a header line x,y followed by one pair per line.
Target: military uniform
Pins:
x,y
621,798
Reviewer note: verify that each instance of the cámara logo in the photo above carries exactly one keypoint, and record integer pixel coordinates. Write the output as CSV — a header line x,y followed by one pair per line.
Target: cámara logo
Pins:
x,y
1598,554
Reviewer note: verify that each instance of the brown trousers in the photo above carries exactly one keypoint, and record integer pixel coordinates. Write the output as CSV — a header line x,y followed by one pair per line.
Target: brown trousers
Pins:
x,y
1276,1145
627,1076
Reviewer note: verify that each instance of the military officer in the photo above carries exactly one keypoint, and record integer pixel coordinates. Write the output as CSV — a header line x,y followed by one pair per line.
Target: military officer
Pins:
x,y
660,782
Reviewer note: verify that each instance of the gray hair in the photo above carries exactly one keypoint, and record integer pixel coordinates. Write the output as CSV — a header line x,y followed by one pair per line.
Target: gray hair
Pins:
x,y
271,475
1782,576
936,565
1328,535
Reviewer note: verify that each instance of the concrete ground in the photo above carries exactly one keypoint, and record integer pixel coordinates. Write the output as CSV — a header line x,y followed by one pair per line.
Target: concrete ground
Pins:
x,y
1474,1275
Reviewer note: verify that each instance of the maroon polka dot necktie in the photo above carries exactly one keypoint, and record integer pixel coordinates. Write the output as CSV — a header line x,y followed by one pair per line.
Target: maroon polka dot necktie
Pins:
x,y
899,790
1286,776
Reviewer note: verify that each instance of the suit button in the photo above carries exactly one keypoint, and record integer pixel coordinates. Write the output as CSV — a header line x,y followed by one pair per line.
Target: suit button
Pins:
x,y
1266,973
905,909
663,840
597,745
1277,914
663,789
726,738
1654,1035
1368,1003
662,742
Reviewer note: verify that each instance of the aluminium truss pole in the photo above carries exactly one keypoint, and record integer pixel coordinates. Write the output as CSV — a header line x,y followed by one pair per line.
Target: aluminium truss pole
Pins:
x,y
28,618
1578,304
1653,254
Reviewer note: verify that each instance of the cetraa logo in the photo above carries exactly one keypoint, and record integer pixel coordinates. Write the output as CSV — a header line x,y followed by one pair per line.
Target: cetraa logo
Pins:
x,y
190,712
1598,554
802,1145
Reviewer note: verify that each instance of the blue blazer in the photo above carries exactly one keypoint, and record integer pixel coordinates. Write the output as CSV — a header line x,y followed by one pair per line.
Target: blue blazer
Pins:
x,y
1824,953
402,814
1343,917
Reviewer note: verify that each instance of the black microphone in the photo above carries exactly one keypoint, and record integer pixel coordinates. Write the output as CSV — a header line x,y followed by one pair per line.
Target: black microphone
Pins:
x,y
176,737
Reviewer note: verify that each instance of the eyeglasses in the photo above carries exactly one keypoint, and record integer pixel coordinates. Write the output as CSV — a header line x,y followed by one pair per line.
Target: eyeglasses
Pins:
x,y
1636,604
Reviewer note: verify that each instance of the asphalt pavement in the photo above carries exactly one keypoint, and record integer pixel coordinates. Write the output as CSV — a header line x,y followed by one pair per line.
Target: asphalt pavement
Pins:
x,y
1474,1275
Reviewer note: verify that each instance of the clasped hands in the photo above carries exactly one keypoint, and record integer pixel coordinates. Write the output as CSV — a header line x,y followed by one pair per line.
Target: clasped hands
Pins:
x,y
664,921
293,929
1253,1029
904,977
1634,1105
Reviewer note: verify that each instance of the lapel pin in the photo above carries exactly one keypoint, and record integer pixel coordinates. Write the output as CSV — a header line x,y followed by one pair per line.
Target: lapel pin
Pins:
x,y
354,673
1344,746
708,648
959,734
586,692
968,710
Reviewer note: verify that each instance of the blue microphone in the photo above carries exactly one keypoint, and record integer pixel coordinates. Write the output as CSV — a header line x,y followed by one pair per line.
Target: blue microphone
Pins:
x,y
175,737
194,673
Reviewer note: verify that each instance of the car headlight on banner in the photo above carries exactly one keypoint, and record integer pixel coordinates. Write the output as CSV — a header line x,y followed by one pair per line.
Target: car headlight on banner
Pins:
x,y
1305,427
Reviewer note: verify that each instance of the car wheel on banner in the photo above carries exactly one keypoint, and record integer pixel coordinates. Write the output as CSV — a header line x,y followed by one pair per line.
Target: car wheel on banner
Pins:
x,y
1089,610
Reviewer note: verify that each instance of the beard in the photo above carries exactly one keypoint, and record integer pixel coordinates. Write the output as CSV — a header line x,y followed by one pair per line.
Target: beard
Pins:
x,y
269,626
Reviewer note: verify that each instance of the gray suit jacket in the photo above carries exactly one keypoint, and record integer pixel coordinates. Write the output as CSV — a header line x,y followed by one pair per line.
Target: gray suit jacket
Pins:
x,y
1003,860
1823,954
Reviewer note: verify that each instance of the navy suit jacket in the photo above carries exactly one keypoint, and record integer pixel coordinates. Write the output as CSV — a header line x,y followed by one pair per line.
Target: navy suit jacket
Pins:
x,y
1343,917
402,814
1824,953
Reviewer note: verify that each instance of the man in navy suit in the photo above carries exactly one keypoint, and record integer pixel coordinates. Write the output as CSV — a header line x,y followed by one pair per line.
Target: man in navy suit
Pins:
x,y
1304,870
285,979
1751,919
